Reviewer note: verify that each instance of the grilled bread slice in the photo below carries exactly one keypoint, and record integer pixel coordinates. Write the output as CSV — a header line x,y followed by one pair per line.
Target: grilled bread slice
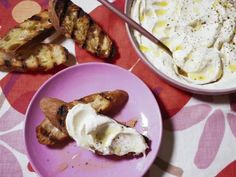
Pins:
x,y
55,110
41,58
107,103
74,23
48,134
28,33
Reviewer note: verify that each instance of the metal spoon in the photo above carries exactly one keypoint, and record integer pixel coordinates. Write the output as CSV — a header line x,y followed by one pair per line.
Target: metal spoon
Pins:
x,y
135,25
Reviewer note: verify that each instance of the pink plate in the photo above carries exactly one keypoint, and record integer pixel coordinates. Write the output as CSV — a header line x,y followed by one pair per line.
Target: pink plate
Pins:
x,y
76,82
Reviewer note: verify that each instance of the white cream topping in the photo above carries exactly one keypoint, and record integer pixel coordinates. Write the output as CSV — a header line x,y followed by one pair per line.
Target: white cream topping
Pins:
x,y
100,133
200,33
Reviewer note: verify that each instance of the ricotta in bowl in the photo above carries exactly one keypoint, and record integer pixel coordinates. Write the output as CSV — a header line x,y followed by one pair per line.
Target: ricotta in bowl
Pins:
x,y
201,35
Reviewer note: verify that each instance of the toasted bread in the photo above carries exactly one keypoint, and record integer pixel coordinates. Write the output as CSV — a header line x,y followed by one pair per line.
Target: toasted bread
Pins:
x,y
74,23
48,134
42,58
107,103
28,33
55,110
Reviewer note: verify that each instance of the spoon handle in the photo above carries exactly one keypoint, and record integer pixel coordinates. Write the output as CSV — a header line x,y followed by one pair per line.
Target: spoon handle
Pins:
x,y
135,25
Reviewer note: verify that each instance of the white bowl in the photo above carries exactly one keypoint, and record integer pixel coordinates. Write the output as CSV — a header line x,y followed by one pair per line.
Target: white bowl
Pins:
x,y
214,89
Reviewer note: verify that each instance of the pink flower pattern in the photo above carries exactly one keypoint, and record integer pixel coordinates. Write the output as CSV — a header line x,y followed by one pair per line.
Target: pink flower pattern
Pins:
x,y
10,163
188,117
210,139
14,116
213,132
14,139
232,122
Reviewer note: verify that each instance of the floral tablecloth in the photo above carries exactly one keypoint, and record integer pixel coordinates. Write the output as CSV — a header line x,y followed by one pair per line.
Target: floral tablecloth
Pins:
x,y
199,131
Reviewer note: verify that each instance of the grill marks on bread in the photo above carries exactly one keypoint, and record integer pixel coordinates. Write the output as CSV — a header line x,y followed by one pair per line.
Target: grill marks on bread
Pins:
x,y
43,57
21,50
78,25
55,110
28,33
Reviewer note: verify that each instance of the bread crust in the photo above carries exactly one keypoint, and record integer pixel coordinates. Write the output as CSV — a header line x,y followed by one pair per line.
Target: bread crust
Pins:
x,y
74,23
48,134
55,110
29,33
41,58
21,50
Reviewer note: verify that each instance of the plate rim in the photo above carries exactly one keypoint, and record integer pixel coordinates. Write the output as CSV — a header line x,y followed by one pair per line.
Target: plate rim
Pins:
x,y
84,65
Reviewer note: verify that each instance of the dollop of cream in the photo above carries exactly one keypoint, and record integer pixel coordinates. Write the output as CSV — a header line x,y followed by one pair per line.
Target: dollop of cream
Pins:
x,y
200,33
99,133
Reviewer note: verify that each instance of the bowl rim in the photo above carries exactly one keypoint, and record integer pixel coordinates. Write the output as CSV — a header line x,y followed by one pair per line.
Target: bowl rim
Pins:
x,y
168,79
